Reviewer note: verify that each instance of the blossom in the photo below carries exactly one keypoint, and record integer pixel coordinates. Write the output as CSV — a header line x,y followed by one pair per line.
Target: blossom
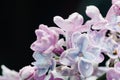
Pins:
x,y
114,73
70,25
43,63
78,54
114,1
97,21
27,73
81,49
9,74
111,48
46,39
113,17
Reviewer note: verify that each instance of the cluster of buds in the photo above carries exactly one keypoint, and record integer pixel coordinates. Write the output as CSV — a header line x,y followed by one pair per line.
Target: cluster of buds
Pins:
x,y
75,49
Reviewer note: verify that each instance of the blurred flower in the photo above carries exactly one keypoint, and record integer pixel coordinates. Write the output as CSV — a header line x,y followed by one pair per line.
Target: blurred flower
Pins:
x,y
114,73
27,73
8,74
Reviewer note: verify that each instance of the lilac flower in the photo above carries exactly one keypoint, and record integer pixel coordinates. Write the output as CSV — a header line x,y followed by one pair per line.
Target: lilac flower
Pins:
x,y
97,37
43,63
114,73
70,25
97,21
27,73
82,53
110,47
9,74
113,17
114,1
46,39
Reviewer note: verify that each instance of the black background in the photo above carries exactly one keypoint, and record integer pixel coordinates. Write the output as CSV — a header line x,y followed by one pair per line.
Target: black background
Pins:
x,y
19,19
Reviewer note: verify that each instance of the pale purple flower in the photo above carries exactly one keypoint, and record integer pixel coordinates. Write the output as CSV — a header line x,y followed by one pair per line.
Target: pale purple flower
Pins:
x,y
97,37
46,39
9,74
97,21
114,1
113,17
82,52
27,73
43,63
114,73
110,47
70,25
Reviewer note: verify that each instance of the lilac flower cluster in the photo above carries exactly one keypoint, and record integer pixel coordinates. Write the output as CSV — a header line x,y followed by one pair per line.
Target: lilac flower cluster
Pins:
x,y
77,55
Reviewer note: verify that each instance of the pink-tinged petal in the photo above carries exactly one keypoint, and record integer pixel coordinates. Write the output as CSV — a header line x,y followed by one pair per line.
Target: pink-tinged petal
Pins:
x,y
40,46
9,74
73,22
58,30
49,50
76,19
112,75
44,28
100,25
114,1
59,21
97,37
116,8
94,13
113,12
39,77
58,47
27,73
3,78
85,67
40,33
97,21
117,67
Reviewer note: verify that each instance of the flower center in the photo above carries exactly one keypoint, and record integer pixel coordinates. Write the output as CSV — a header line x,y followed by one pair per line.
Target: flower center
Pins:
x,y
115,52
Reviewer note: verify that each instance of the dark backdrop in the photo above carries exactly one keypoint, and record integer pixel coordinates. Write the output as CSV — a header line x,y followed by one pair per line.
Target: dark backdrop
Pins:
x,y
19,19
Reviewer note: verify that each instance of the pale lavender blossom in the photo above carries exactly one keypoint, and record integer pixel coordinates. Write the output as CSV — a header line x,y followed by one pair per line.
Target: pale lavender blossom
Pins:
x,y
97,21
43,63
46,39
82,53
78,54
27,73
70,25
8,74
110,47
114,1
114,73
113,17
